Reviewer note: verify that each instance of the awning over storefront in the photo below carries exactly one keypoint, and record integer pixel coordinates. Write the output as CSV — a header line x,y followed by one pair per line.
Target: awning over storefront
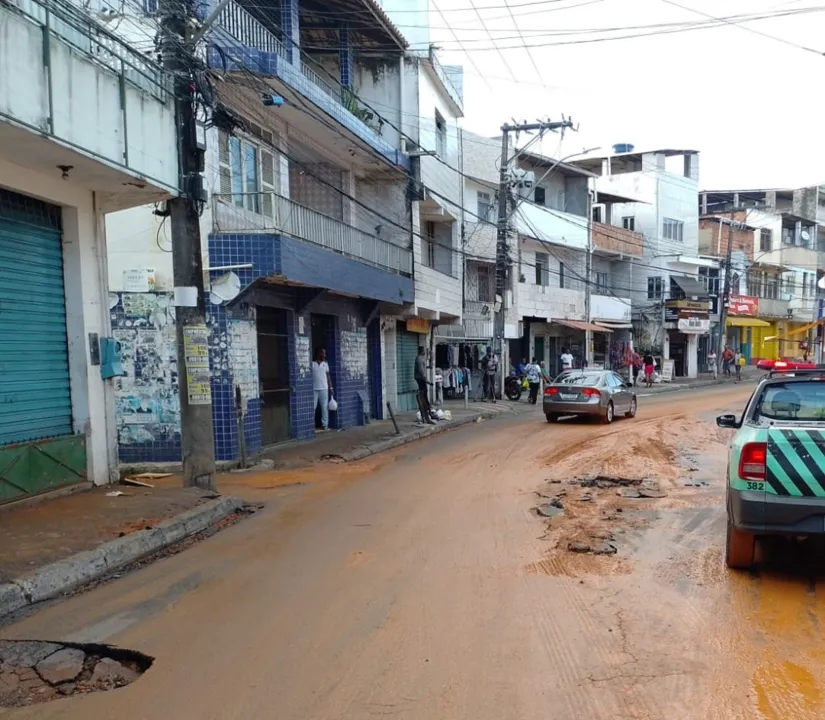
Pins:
x,y
740,321
581,325
690,286
611,325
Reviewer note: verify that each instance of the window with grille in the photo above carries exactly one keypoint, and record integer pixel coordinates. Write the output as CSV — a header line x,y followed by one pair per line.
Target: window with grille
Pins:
x,y
601,283
655,287
765,239
248,174
673,230
486,282
542,269
485,206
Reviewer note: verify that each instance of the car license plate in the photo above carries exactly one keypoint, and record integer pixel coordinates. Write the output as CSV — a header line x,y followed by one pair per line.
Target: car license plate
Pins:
x,y
568,396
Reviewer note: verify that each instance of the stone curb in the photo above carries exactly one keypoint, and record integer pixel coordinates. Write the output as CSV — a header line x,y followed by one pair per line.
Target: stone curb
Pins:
x,y
57,578
397,441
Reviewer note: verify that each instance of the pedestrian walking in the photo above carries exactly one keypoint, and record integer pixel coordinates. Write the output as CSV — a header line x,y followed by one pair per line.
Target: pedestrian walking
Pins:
x,y
649,366
321,385
490,371
420,374
566,360
727,361
533,371
739,361
636,364
712,363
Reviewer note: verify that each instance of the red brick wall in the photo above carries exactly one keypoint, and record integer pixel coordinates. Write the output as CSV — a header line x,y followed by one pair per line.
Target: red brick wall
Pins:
x,y
742,239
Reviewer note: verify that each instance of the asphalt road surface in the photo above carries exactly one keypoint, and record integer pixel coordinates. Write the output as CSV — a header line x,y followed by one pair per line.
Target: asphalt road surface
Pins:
x,y
422,585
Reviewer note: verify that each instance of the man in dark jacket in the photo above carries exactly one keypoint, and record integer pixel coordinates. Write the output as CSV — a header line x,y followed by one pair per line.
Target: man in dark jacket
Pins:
x,y
420,375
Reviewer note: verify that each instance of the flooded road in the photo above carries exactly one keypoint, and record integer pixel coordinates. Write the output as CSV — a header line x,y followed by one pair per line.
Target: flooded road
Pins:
x,y
423,585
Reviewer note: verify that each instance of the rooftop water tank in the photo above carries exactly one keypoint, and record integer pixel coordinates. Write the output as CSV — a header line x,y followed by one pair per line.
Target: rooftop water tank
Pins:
x,y
622,148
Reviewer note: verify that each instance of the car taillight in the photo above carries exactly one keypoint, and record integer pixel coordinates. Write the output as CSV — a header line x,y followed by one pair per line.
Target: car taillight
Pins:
x,y
752,461
590,392
551,391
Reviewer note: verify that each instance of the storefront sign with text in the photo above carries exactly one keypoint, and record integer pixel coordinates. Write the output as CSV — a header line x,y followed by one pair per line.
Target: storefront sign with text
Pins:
x,y
743,305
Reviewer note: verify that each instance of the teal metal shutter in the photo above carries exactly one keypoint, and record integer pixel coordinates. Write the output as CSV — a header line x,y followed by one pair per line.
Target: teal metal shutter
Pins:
x,y
406,352
35,399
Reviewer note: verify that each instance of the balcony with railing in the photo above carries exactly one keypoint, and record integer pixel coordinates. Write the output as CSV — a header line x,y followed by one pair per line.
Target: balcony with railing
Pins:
x,y
241,42
69,82
613,240
270,213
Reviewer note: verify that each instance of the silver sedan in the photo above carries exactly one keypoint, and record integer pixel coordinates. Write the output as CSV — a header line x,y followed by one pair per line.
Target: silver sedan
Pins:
x,y
597,393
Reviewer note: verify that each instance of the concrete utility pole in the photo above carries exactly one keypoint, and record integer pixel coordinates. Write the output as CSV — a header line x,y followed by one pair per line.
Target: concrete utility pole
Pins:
x,y
723,311
192,334
503,227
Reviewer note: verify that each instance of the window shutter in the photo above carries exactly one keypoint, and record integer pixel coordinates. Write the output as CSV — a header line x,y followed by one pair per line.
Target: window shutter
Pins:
x,y
224,168
269,184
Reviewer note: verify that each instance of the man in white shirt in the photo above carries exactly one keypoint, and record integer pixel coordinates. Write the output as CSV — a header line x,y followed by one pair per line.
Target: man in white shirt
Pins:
x,y
321,385
566,359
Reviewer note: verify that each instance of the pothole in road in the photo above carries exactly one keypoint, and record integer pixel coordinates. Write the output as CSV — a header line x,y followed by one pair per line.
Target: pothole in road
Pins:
x,y
33,672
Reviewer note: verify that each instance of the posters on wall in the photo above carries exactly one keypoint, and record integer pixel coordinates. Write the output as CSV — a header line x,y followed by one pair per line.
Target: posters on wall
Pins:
x,y
196,354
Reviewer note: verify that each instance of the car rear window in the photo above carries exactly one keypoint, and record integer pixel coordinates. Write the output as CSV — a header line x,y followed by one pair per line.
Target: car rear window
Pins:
x,y
803,400
578,379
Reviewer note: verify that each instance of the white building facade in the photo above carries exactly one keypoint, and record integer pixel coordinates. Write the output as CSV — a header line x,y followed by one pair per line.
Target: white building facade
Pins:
x,y
87,127
665,283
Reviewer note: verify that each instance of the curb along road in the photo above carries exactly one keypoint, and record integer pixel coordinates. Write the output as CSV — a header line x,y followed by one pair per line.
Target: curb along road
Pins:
x,y
60,577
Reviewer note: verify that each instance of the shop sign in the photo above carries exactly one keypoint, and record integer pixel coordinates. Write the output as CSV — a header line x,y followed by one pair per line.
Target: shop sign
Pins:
x,y
667,370
743,305
692,305
695,325
417,325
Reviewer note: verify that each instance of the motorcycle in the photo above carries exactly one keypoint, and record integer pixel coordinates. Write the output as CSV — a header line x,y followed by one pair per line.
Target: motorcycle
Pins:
x,y
513,387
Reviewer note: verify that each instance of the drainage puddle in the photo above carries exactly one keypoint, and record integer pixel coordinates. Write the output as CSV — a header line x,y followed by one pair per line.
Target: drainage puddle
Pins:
x,y
34,672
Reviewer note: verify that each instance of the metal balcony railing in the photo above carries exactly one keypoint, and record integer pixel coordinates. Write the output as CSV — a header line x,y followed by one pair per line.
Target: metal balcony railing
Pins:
x,y
77,28
272,213
251,32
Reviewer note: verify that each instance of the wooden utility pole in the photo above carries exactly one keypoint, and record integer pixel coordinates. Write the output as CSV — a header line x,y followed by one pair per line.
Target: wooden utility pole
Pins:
x,y
192,334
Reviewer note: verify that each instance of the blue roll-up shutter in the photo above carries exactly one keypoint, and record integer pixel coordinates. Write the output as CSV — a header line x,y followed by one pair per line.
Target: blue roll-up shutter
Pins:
x,y
35,398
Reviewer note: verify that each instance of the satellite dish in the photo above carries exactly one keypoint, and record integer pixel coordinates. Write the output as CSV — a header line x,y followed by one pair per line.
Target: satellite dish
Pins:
x,y
821,283
225,288
805,235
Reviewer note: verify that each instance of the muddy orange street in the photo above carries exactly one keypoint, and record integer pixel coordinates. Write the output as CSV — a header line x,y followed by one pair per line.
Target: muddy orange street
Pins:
x,y
424,586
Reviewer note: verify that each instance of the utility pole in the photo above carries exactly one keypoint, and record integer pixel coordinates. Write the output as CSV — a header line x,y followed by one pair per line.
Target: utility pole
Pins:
x,y
588,275
197,440
503,228
723,311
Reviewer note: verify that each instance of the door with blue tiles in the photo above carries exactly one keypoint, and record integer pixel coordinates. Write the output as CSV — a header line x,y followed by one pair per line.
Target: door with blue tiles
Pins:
x,y
273,373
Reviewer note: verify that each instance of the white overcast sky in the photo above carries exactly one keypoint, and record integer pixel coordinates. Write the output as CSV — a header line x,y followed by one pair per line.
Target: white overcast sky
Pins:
x,y
752,105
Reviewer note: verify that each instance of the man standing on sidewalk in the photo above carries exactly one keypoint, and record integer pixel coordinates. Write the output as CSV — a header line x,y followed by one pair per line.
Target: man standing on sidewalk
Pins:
x,y
321,385
420,375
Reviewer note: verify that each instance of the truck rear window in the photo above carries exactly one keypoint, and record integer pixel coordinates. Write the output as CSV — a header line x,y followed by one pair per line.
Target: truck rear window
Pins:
x,y
793,401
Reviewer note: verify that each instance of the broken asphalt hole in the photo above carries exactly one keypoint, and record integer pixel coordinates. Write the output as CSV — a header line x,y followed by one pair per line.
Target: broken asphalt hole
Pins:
x,y
33,672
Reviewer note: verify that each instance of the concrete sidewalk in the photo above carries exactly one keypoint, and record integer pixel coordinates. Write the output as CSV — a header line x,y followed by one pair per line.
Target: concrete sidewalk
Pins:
x,y
380,436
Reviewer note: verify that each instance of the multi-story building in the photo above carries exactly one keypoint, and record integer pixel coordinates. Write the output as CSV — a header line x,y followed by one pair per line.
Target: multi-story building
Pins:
x,y
551,236
667,282
777,256
322,212
87,126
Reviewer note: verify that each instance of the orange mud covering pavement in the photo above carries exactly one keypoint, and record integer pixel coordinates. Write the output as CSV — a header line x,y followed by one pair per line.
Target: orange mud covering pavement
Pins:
x,y
422,585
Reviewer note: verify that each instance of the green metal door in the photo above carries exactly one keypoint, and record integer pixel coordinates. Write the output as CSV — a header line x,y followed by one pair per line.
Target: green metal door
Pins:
x,y
37,449
406,352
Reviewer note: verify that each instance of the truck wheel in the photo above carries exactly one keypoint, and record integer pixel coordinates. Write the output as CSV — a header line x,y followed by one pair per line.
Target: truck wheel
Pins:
x,y
740,548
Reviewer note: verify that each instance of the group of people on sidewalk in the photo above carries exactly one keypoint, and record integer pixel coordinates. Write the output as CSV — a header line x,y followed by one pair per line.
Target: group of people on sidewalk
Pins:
x,y
730,359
